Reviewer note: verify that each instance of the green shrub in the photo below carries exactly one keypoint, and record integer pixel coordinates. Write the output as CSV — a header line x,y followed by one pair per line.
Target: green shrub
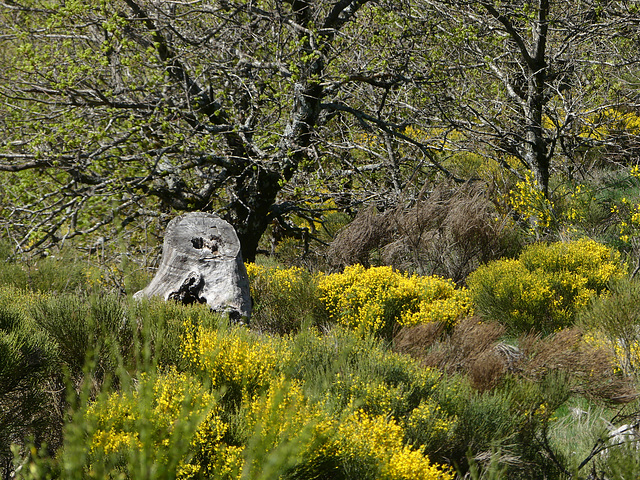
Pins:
x,y
546,286
29,378
343,370
82,328
622,462
175,424
512,419
283,299
160,327
62,272
238,404
613,321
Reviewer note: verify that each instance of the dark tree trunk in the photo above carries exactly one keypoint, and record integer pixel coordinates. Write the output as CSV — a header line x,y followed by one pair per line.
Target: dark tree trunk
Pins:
x,y
537,154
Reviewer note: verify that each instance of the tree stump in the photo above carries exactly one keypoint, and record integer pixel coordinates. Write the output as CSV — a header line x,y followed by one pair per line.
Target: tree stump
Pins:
x,y
202,263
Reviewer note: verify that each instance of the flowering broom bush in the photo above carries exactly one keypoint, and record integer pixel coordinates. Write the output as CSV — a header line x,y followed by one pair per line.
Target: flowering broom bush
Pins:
x,y
546,286
378,299
238,361
177,425
373,447
283,298
169,423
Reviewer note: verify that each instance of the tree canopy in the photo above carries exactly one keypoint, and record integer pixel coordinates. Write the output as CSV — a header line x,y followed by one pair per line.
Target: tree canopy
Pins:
x,y
117,112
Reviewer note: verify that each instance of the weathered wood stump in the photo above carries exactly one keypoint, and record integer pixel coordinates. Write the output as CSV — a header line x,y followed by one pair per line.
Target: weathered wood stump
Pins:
x,y
201,263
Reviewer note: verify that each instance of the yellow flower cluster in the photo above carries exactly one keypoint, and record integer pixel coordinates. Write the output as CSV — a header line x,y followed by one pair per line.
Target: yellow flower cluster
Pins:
x,y
545,287
282,279
625,353
627,215
376,299
115,419
170,394
284,415
110,441
430,419
282,423
237,360
179,406
529,201
567,211
612,121
589,264
378,440
374,397
176,399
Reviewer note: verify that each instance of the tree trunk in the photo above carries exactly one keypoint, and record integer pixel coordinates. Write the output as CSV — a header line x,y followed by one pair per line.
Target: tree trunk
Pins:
x,y
537,155
202,263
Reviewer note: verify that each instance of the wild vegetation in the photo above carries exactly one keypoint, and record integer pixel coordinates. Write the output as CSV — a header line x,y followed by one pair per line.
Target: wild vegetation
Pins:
x,y
439,206
369,373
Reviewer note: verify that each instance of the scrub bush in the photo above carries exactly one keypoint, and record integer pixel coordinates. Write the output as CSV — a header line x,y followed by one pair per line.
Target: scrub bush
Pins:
x,y
378,300
82,327
241,362
546,286
373,447
29,378
185,425
167,427
613,321
62,272
283,298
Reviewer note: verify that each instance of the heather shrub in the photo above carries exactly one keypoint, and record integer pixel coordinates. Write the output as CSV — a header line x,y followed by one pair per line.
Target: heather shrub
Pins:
x,y
546,286
588,370
283,298
471,347
379,299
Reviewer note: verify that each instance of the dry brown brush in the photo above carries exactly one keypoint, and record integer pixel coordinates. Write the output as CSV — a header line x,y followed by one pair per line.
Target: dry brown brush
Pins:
x,y
449,232
475,348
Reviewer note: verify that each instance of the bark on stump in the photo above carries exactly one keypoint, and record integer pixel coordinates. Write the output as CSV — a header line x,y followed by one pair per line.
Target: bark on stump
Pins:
x,y
202,263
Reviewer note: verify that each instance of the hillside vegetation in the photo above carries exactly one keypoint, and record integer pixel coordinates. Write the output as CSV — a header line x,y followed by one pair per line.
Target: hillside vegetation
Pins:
x,y
438,203
368,373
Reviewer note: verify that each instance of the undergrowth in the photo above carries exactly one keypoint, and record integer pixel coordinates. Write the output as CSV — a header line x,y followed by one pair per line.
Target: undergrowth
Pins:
x,y
347,386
